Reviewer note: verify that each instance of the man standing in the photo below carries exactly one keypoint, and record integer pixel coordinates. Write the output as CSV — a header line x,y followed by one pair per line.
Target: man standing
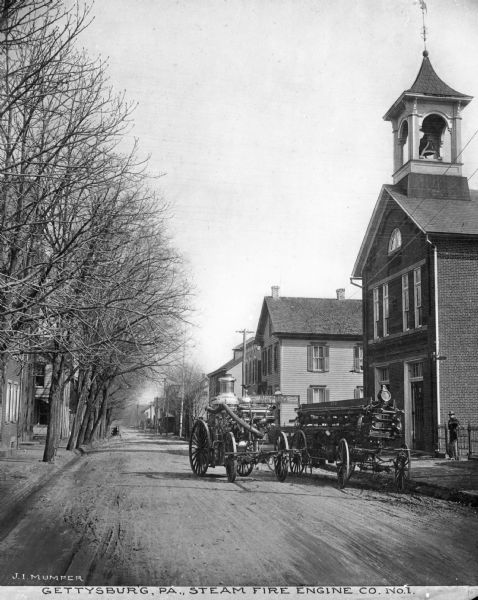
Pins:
x,y
453,428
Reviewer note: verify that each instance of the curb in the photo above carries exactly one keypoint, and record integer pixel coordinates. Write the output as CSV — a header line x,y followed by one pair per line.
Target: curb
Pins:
x,y
365,480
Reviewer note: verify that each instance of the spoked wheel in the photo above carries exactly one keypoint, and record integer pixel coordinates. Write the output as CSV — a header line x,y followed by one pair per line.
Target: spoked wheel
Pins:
x,y
199,448
402,468
298,458
343,463
281,459
244,469
230,459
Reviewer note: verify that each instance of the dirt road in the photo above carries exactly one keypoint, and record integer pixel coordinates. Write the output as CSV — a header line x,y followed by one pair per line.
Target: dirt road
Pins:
x,y
132,513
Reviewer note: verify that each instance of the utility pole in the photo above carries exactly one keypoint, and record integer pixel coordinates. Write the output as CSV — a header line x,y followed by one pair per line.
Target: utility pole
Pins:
x,y
156,414
244,334
181,409
165,409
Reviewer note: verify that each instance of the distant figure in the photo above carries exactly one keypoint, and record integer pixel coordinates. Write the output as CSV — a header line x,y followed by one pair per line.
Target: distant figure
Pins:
x,y
453,428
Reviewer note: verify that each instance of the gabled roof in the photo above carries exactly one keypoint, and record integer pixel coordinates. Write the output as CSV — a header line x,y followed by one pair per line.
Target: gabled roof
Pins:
x,y
226,367
444,215
427,83
240,346
448,216
307,317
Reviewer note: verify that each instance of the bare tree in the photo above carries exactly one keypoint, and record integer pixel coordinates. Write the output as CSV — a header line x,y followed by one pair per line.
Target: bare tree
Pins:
x,y
88,277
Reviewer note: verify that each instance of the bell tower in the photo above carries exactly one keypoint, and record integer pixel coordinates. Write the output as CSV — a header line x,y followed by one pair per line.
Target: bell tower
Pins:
x,y
426,122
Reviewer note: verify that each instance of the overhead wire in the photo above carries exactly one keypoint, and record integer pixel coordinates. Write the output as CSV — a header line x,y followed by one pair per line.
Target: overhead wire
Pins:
x,y
409,216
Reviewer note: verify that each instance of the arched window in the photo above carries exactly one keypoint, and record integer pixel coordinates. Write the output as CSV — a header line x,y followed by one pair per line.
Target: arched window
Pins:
x,y
433,128
403,142
395,241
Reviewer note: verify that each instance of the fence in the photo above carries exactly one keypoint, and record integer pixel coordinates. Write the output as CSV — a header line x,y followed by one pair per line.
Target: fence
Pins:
x,y
467,440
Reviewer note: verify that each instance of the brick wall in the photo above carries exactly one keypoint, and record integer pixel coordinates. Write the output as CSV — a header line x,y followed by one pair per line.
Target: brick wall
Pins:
x,y
458,317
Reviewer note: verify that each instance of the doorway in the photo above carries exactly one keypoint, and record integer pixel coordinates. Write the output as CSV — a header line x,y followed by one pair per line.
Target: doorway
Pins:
x,y
416,398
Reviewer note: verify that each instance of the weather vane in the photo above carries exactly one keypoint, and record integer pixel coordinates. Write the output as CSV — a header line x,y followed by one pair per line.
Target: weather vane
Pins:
x,y
423,8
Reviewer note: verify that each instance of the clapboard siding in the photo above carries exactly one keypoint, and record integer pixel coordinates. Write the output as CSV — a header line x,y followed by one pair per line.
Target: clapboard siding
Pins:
x,y
341,380
271,380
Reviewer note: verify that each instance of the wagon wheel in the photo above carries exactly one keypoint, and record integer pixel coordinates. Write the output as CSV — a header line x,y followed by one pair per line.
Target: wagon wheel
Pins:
x,y
199,448
244,469
402,468
230,461
343,463
281,459
298,458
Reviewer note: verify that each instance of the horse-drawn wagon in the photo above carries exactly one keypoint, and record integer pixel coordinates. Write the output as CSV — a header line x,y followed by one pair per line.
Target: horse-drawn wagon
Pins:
x,y
238,434
351,435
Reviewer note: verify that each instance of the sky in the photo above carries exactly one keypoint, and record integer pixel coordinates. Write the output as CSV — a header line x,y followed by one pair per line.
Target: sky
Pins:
x,y
264,118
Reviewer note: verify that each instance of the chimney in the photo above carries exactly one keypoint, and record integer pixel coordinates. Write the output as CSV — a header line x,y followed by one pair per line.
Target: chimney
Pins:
x,y
275,291
340,294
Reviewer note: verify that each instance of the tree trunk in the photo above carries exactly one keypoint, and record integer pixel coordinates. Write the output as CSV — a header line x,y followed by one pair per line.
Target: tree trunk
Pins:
x,y
102,412
2,386
89,428
84,383
86,414
109,414
54,417
29,395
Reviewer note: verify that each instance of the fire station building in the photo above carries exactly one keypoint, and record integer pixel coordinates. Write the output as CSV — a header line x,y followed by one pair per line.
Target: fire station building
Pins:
x,y
418,264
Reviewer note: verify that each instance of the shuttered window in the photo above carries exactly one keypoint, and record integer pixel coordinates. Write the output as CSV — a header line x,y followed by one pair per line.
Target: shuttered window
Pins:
x,y
385,310
417,284
376,312
317,393
405,303
358,358
318,358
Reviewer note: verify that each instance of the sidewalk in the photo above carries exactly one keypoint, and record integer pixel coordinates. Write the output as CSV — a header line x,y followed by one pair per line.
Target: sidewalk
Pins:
x,y
22,472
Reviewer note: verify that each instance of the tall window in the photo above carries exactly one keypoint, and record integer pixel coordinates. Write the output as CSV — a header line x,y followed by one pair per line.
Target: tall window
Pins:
x,y
318,358
269,359
383,376
12,404
317,393
385,308
39,374
8,401
264,362
16,400
417,285
376,312
405,303
276,358
358,358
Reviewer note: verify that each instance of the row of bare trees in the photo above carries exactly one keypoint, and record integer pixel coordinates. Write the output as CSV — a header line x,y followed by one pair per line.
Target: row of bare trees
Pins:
x,y
89,279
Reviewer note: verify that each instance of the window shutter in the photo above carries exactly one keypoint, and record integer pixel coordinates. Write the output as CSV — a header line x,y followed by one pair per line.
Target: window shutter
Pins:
x,y
309,395
327,394
326,358
309,358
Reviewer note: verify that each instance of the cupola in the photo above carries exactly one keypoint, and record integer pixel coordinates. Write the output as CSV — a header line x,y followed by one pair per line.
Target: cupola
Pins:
x,y
426,122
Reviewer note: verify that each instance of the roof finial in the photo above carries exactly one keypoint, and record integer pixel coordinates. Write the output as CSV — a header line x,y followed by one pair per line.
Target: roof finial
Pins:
x,y
423,8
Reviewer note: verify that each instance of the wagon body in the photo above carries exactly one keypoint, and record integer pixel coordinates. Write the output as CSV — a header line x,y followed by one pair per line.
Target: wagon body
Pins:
x,y
350,434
